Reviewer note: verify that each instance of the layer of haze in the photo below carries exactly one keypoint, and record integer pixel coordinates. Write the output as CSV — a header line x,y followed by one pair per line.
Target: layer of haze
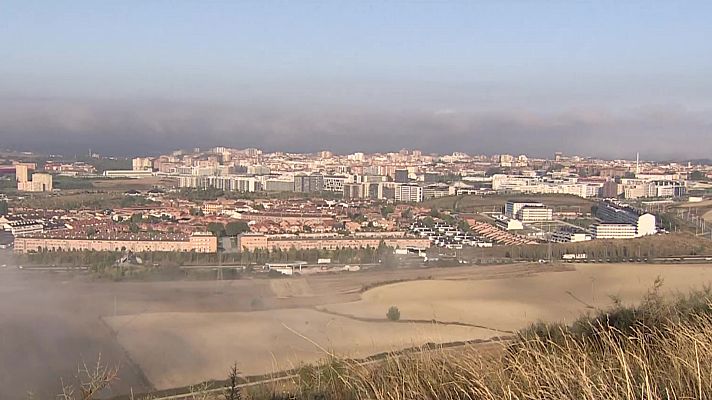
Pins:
x,y
139,77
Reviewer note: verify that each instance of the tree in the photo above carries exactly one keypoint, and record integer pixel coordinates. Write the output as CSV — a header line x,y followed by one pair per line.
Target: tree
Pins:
x,y
697,176
232,392
3,207
217,229
235,228
133,228
386,210
393,314
136,217
428,221
463,226
407,214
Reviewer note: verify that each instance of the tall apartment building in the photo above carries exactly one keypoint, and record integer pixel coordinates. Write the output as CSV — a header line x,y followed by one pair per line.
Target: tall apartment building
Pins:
x,y
142,164
39,183
308,183
353,191
22,174
334,183
232,183
409,193
279,184
258,170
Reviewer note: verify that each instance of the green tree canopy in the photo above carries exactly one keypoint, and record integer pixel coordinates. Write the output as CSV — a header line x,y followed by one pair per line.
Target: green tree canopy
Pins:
x,y
217,229
235,228
393,314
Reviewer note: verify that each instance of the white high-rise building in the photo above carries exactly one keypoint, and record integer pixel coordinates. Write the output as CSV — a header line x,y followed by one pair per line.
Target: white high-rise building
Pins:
x,y
409,193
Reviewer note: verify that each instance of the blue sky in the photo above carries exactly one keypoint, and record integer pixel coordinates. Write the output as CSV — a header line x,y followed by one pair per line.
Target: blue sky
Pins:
x,y
540,59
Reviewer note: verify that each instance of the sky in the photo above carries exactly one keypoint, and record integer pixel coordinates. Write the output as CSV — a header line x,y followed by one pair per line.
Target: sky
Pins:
x,y
599,78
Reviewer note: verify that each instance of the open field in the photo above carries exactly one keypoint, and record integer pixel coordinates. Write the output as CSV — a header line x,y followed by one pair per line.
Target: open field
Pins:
x,y
180,332
175,349
512,303
268,341
52,322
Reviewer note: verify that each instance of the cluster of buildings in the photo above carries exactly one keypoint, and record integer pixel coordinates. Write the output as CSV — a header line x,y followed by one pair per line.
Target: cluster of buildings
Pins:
x,y
446,235
410,175
77,168
613,220
170,224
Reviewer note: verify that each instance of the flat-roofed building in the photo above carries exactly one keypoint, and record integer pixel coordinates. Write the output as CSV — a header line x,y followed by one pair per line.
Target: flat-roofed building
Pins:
x,y
334,183
199,242
528,211
127,174
312,183
252,242
21,173
409,193
435,191
645,223
142,164
570,236
612,230
538,213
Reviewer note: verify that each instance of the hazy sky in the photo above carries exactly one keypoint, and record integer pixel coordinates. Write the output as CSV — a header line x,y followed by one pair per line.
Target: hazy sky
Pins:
x,y
136,77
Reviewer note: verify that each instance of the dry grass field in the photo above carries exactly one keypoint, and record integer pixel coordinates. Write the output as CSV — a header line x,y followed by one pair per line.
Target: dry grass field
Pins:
x,y
512,303
176,333
183,347
176,349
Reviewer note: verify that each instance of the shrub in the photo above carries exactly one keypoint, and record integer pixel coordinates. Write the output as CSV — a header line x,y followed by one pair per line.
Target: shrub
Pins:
x,y
393,313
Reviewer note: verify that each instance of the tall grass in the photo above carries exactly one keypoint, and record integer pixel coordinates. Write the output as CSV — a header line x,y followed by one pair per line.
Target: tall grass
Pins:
x,y
660,349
